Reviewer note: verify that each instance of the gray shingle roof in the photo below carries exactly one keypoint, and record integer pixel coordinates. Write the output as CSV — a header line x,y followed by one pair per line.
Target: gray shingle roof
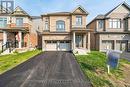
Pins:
x,y
123,3
58,13
105,15
100,17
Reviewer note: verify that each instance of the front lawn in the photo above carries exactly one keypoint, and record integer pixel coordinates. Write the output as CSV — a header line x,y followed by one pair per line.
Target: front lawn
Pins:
x,y
94,66
7,62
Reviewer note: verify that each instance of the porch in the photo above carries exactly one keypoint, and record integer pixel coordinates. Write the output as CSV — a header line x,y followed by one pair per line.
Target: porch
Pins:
x,y
81,41
14,38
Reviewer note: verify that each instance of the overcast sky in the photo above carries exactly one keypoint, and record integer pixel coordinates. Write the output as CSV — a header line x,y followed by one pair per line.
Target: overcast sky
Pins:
x,y
94,7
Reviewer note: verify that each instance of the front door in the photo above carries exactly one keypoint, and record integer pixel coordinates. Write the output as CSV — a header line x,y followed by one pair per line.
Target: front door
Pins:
x,y
79,41
123,46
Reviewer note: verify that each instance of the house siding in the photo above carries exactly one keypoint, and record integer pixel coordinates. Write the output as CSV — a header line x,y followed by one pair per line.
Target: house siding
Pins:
x,y
129,24
73,18
111,34
53,19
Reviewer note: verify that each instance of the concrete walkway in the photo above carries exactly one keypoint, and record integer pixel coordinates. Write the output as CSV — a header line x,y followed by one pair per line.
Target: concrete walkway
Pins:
x,y
49,69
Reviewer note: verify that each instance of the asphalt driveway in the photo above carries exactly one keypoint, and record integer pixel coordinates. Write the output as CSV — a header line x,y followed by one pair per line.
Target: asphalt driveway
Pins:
x,y
49,69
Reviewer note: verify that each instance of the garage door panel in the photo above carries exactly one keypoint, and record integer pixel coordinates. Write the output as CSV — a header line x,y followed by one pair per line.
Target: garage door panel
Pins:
x,y
51,46
64,47
58,46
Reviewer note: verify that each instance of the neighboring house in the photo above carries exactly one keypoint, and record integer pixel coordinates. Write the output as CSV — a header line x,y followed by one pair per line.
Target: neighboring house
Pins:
x,y
36,30
65,31
16,29
112,30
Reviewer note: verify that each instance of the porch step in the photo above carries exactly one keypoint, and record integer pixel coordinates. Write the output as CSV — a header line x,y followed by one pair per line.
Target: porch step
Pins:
x,y
81,51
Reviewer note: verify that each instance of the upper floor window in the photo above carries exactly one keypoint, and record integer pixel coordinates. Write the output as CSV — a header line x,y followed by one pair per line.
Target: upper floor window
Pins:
x,y
46,26
3,22
114,23
100,24
19,21
60,25
78,20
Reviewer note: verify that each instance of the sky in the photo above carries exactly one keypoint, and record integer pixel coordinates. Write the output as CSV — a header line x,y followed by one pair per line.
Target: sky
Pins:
x,y
94,7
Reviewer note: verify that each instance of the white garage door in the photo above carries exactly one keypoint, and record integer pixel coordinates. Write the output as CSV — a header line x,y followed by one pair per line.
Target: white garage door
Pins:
x,y
51,45
57,45
64,46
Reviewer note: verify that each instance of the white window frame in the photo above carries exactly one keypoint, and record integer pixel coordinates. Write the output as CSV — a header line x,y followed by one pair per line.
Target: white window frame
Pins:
x,y
60,25
115,23
46,26
19,25
3,22
100,24
78,20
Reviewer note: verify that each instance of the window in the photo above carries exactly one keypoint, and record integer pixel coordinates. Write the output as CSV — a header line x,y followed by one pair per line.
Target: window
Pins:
x,y
3,22
46,26
78,20
115,23
19,22
60,25
100,24
49,41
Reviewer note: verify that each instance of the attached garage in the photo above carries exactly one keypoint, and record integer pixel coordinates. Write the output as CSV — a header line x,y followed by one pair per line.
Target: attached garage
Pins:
x,y
107,44
58,46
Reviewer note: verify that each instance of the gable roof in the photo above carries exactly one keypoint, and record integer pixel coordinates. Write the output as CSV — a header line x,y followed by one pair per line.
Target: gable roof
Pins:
x,y
58,13
19,12
67,13
108,13
80,7
123,3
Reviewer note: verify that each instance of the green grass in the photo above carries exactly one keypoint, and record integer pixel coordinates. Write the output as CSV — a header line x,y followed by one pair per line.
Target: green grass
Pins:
x,y
94,66
7,62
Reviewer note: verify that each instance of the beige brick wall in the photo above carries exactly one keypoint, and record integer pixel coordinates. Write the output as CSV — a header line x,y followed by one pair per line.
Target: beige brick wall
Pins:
x,y
92,41
121,9
115,15
119,13
56,37
70,21
83,20
92,26
97,44
78,11
52,22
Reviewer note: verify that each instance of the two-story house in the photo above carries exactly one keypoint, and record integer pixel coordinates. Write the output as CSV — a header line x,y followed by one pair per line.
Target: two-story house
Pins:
x,y
111,31
65,31
16,28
